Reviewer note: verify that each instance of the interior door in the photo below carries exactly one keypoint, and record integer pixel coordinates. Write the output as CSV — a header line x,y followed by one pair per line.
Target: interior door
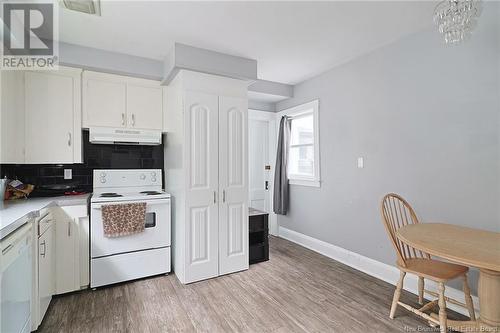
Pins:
x,y
202,215
104,101
49,118
144,107
233,184
258,158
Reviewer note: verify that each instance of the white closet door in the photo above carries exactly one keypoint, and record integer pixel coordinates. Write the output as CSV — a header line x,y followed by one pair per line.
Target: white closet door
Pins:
x,y
233,185
201,156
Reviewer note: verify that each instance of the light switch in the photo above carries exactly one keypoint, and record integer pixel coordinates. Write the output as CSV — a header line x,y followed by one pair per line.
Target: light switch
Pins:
x,y
68,174
361,163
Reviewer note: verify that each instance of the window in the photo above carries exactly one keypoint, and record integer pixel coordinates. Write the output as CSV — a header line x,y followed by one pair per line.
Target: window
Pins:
x,y
303,161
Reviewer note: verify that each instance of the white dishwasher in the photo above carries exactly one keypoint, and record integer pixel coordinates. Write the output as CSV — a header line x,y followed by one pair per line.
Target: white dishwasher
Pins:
x,y
16,281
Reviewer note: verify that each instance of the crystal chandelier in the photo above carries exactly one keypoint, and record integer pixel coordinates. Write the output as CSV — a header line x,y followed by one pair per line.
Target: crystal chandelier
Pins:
x,y
456,19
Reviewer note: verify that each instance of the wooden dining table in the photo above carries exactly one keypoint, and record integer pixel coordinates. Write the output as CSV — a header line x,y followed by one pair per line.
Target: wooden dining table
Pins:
x,y
468,247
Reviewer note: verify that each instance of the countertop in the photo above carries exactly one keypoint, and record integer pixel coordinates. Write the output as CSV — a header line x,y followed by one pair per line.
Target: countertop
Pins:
x,y
15,213
255,212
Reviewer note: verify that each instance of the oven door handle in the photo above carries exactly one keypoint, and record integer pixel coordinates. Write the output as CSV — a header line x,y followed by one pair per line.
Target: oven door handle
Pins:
x,y
148,203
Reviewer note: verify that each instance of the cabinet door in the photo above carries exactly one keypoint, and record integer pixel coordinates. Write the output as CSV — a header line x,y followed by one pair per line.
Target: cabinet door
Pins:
x,y
201,160
12,117
144,107
50,99
233,183
46,265
67,276
104,100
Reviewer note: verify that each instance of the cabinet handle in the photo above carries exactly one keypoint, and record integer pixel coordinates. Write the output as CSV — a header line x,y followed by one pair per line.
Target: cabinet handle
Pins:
x,y
215,197
133,119
43,254
69,229
123,119
223,195
69,139
8,248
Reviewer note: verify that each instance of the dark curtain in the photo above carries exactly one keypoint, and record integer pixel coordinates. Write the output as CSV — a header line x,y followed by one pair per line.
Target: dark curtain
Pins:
x,y
281,195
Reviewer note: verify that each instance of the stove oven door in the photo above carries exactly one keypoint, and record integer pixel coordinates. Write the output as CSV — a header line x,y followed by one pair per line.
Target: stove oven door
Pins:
x,y
155,235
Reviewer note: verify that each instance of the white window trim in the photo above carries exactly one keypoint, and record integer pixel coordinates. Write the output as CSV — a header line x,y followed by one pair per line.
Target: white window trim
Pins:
x,y
296,111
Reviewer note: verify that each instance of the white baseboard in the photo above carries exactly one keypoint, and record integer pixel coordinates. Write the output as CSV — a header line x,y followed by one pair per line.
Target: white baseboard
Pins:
x,y
372,267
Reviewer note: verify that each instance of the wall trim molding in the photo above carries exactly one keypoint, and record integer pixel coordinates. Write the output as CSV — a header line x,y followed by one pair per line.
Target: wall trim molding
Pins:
x,y
377,269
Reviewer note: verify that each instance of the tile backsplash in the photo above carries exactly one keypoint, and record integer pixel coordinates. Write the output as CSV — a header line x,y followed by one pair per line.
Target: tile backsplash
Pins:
x,y
95,156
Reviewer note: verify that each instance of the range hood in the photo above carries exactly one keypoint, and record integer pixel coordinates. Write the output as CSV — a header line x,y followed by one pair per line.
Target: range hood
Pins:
x,y
124,136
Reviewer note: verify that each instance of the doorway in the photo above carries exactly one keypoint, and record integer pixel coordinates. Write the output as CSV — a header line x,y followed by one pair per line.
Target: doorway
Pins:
x,y
261,159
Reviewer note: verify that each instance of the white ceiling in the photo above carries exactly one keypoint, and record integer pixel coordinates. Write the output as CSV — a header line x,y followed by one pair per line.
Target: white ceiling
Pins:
x,y
291,41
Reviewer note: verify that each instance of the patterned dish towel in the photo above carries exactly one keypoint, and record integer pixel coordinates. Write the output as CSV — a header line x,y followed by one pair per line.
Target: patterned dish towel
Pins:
x,y
123,219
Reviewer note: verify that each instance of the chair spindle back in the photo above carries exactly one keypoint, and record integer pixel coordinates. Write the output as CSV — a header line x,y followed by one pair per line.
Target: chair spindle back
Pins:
x,y
396,213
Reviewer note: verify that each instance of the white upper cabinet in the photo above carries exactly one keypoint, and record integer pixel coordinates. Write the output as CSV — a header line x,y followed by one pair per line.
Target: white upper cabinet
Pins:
x,y
120,101
144,106
12,117
52,117
104,101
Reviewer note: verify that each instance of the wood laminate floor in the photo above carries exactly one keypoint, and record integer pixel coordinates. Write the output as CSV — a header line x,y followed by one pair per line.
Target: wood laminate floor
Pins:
x,y
297,290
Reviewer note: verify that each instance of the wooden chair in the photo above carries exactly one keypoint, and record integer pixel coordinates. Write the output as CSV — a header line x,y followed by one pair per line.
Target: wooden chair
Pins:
x,y
396,213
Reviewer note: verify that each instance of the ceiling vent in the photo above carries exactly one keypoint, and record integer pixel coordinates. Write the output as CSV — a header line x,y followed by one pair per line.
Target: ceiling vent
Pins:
x,y
92,7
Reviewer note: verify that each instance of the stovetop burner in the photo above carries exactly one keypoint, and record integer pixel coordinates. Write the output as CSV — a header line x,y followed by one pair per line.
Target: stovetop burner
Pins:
x,y
110,195
150,192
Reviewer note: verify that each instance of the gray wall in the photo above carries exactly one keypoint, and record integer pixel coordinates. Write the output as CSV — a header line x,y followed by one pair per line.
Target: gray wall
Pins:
x,y
425,117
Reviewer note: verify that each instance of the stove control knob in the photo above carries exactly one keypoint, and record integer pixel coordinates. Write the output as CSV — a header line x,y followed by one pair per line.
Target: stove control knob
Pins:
x,y
153,179
103,180
142,176
103,174
153,174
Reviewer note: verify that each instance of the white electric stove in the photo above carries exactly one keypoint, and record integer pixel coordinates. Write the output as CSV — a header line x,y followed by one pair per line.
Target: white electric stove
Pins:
x,y
119,259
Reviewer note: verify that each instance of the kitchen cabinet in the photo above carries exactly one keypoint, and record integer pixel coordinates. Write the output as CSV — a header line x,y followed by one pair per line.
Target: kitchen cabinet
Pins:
x,y
144,106
121,101
104,100
12,117
46,266
52,116
72,239
208,122
84,245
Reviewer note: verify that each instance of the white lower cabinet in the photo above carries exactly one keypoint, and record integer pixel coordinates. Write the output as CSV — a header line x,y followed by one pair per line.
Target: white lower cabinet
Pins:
x,y
46,269
72,263
62,255
84,245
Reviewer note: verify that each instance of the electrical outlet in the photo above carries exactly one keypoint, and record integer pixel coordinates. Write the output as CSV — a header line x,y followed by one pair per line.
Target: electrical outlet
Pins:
x,y
361,163
68,174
